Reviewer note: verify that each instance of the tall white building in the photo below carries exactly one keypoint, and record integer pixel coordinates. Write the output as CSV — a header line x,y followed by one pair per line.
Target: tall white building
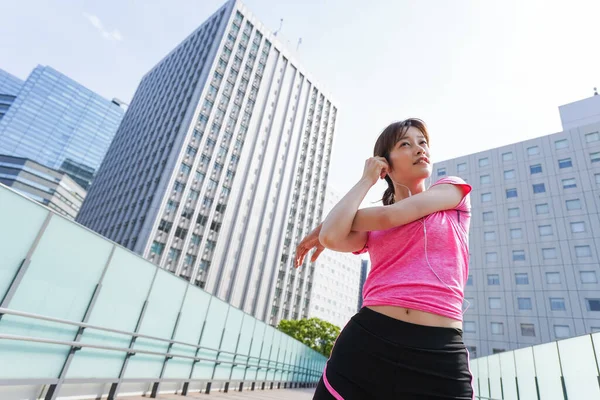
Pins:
x,y
220,166
336,284
534,239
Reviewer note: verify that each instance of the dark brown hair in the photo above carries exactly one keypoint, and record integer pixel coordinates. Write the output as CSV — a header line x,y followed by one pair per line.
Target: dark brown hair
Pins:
x,y
386,142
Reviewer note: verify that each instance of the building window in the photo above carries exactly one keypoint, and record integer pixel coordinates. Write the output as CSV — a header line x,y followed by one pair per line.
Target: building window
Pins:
x,y
472,350
522,278
542,208
157,248
578,227
441,172
549,253
574,204
510,174
485,179
588,277
510,193
545,230
569,183
178,186
593,304
493,279
524,303
595,157
592,137
552,278
565,163
561,144
557,304
488,216
527,330
495,303
514,212
497,351
484,162
539,188
491,257
172,205
469,326
489,236
485,197
470,280
507,156
535,169
533,150
516,233
173,255
597,177
562,331
583,251
195,240
497,328
518,255
462,167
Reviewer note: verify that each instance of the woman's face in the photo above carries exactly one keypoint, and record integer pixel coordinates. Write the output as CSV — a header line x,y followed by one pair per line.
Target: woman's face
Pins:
x,y
410,157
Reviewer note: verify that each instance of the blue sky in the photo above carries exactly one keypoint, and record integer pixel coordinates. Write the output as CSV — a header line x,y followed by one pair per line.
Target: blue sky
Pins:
x,y
480,73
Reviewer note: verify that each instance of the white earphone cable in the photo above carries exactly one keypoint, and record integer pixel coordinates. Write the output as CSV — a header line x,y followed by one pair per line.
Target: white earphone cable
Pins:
x,y
422,220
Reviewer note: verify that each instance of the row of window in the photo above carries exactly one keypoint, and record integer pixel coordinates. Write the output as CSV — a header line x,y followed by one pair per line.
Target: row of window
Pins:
x,y
525,303
581,251
531,151
540,209
568,183
544,230
497,328
522,278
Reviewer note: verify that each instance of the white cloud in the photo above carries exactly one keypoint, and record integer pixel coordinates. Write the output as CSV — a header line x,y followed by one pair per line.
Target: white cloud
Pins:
x,y
95,21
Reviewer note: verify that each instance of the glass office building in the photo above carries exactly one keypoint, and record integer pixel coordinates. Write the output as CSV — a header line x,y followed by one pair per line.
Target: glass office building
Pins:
x,y
56,122
9,87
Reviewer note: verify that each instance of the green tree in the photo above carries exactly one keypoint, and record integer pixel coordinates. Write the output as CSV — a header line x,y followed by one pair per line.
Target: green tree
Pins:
x,y
319,335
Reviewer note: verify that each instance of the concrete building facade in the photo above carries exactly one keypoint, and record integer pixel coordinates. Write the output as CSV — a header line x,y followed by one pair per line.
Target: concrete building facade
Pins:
x,y
534,240
220,166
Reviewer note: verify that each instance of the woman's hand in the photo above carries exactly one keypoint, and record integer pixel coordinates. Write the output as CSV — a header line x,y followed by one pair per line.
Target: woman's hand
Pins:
x,y
375,168
309,242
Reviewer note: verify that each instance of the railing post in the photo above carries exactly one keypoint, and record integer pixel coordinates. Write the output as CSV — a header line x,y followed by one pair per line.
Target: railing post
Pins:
x,y
114,388
156,385
200,339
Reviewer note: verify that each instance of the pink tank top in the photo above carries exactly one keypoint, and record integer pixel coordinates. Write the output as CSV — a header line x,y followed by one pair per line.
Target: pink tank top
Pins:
x,y
400,275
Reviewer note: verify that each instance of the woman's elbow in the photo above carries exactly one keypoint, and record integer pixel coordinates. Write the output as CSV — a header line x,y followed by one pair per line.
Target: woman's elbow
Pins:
x,y
325,239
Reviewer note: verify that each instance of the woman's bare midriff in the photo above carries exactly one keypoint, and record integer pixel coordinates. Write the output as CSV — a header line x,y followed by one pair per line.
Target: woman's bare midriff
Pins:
x,y
417,317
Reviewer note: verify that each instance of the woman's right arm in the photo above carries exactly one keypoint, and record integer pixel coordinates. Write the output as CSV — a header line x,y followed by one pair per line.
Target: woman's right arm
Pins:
x,y
336,233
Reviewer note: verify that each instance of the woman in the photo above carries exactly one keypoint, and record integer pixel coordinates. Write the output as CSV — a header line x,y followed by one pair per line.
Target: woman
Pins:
x,y
406,342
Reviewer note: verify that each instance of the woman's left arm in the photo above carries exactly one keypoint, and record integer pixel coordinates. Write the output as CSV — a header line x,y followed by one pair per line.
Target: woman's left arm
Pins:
x,y
438,198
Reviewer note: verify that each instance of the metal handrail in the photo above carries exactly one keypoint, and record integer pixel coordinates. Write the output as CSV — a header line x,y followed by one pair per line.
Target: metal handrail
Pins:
x,y
133,334
79,345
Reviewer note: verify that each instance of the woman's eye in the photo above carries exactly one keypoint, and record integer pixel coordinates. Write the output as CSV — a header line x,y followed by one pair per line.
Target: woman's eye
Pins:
x,y
424,142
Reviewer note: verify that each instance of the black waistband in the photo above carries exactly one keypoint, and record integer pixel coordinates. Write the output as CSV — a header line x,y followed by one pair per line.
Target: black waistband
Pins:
x,y
406,333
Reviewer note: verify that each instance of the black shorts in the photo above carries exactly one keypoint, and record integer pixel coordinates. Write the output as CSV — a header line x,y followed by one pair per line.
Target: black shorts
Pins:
x,y
379,357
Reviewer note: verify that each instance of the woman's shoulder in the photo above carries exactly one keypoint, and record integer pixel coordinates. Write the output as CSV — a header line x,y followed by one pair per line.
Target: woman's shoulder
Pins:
x,y
465,203
454,180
